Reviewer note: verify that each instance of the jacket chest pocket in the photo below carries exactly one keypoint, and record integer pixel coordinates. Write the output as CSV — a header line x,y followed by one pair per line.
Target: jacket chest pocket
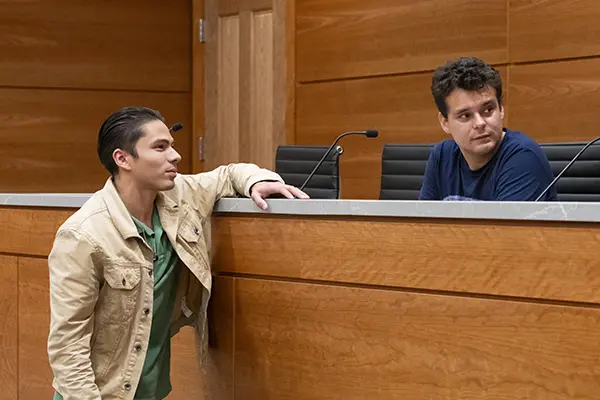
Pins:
x,y
191,236
120,292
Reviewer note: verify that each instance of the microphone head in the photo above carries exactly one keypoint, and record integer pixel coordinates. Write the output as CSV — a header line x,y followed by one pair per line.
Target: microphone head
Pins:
x,y
176,127
371,133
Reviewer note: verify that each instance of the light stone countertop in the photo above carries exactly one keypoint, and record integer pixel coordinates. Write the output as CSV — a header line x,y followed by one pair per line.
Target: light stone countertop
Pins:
x,y
552,211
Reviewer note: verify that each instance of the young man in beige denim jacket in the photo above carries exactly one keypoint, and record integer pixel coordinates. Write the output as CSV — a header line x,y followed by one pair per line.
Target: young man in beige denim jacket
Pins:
x,y
131,266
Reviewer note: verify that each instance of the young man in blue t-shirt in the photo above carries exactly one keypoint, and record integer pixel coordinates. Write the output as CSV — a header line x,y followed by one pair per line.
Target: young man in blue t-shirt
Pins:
x,y
483,161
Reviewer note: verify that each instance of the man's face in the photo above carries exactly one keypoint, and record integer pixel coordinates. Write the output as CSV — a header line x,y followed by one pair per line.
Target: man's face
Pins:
x,y
155,167
474,122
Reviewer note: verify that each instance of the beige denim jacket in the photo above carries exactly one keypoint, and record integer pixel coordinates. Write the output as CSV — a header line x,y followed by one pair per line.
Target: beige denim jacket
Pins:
x,y
101,284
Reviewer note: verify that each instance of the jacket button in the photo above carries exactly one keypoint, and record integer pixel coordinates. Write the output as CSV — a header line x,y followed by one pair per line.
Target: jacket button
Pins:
x,y
137,347
127,386
146,311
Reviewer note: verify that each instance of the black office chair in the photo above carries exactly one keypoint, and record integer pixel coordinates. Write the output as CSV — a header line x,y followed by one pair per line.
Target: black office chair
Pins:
x,y
402,170
403,167
295,163
581,182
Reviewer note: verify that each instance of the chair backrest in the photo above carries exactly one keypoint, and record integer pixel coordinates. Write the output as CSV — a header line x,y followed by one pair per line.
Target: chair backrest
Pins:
x,y
581,182
402,170
295,163
403,167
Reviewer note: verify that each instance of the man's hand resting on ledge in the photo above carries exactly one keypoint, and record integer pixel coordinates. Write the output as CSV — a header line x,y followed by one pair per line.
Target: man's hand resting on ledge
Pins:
x,y
261,190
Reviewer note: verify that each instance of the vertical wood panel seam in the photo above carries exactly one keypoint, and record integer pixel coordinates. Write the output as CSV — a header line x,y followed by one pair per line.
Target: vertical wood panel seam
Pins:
x,y
508,31
506,100
245,82
193,142
233,328
17,366
508,67
291,20
247,86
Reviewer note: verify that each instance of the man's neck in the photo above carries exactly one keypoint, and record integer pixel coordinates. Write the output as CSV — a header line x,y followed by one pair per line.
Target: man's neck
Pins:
x,y
139,202
475,163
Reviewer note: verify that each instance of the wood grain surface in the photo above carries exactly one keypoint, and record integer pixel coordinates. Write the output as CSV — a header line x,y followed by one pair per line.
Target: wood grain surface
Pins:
x,y
553,29
554,261
556,102
217,379
8,328
50,136
35,375
297,341
30,231
134,45
354,38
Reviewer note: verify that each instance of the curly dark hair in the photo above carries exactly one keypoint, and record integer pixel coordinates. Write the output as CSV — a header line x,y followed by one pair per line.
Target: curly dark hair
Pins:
x,y
466,73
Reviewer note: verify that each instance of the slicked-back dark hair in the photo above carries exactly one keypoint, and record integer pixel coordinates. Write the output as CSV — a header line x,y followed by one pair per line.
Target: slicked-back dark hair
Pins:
x,y
122,130
466,73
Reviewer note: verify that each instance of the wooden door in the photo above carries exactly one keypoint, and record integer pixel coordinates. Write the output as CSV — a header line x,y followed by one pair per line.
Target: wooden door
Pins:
x,y
248,80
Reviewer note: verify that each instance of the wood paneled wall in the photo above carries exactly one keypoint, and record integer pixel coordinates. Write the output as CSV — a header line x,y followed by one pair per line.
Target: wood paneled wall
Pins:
x,y
402,311
362,65
25,311
66,65
8,328
301,341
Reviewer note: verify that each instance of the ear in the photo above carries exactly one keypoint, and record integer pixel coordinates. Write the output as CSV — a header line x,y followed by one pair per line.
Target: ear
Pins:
x,y
122,159
444,123
501,112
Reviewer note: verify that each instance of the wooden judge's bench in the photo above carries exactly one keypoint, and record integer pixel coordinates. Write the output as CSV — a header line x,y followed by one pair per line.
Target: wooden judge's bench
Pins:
x,y
319,299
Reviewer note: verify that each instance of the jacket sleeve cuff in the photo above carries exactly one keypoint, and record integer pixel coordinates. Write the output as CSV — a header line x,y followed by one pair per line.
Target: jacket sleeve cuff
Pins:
x,y
262,176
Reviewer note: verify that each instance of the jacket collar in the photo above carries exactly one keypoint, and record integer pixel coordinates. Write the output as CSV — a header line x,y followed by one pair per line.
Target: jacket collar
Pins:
x,y
121,218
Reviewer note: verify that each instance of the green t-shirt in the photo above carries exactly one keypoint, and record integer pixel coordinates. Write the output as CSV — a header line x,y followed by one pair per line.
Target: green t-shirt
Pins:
x,y
155,382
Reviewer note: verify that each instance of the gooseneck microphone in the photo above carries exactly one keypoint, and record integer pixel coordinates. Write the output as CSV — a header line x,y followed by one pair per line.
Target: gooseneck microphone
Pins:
x,y
175,127
566,168
370,133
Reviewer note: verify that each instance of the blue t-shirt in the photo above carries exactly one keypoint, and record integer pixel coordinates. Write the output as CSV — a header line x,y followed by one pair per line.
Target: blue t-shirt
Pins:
x,y
519,171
